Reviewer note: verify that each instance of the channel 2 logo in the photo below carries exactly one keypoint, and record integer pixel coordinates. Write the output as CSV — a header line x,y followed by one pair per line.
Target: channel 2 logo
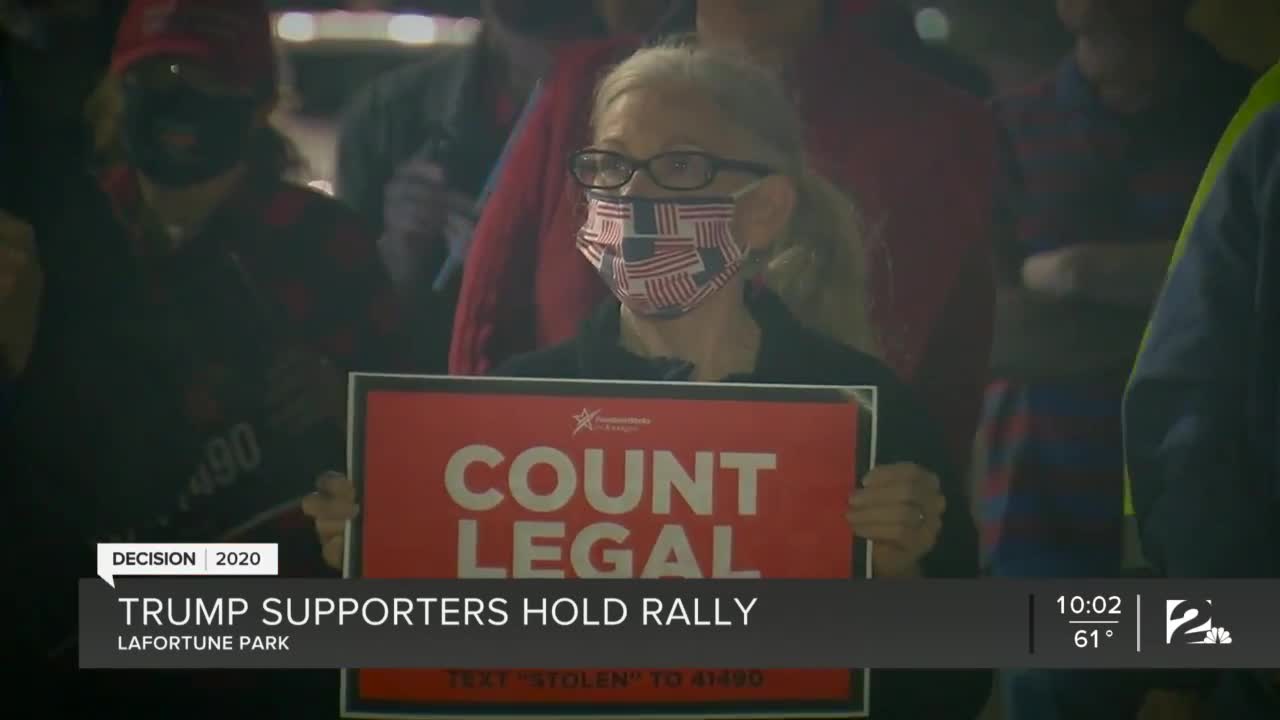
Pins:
x,y
1190,622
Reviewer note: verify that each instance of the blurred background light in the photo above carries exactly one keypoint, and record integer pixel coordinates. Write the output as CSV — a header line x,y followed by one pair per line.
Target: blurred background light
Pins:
x,y
304,29
296,27
323,186
466,28
933,25
412,29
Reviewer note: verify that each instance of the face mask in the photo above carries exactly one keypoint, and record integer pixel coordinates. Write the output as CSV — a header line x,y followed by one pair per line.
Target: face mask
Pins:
x,y
179,137
661,257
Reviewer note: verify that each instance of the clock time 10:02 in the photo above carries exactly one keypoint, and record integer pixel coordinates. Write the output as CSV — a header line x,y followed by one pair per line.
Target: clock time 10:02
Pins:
x,y
1100,605
1096,611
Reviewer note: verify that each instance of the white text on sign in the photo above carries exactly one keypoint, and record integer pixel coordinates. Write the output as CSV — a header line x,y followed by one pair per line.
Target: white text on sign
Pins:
x,y
659,474
136,559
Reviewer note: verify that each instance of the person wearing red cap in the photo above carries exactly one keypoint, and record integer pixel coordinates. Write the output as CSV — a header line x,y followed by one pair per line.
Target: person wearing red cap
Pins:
x,y
189,92
916,153
201,372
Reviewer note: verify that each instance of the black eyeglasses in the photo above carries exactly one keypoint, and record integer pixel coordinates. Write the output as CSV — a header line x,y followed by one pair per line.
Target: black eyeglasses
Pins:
x,y
676,170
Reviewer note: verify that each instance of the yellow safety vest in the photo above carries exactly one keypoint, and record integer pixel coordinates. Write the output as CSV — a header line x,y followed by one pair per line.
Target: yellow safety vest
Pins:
x,y
1265,93
1244,31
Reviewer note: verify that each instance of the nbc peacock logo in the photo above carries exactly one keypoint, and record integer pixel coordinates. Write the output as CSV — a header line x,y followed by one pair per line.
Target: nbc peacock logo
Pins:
x,y
1216,636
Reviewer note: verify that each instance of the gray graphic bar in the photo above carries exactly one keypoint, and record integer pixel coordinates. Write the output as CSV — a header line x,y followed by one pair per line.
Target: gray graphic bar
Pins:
x,y
918,624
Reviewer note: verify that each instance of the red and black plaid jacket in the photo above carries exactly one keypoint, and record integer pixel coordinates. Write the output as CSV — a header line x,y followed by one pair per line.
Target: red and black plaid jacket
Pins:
x,y
276,266
187,450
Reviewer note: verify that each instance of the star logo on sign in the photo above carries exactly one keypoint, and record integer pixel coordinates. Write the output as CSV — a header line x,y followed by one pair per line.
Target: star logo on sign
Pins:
x,y
584,420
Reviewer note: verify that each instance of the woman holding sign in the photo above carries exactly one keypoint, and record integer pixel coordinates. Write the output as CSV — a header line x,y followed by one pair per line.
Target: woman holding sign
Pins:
x,y
681,131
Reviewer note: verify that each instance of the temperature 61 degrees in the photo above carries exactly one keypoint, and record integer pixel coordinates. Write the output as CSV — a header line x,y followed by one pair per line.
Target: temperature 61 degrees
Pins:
x,y
1092,637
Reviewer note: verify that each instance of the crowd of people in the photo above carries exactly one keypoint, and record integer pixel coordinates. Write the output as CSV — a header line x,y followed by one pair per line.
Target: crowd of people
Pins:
x,y
1061,289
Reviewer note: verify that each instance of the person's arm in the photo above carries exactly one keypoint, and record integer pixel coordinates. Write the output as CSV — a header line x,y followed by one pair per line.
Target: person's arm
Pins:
x,y
1114,274
1197,492
907,435
954,369
495,315
1119,275
954,366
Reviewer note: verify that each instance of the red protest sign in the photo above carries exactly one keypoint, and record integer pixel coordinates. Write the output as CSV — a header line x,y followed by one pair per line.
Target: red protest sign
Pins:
x,y
492,478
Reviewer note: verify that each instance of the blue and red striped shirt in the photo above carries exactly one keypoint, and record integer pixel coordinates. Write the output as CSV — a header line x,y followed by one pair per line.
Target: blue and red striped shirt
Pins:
x,y
1076,172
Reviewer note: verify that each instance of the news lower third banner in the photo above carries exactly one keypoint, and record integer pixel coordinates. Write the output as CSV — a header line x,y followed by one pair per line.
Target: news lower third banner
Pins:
x,y
269,622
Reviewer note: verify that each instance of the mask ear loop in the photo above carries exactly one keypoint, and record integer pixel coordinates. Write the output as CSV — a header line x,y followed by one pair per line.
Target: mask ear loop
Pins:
x,y
745,189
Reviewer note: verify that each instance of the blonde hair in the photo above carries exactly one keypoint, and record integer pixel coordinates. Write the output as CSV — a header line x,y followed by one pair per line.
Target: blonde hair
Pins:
x,y
819,264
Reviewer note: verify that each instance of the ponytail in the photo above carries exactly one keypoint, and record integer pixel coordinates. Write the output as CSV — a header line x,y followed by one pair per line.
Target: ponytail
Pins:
x,y
819,266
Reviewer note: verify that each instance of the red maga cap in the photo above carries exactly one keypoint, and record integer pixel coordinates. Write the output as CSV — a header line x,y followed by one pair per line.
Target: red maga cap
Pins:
x,y
232,38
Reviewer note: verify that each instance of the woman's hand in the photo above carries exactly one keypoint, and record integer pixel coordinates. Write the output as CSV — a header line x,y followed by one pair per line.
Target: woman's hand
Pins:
x,y
332,505
899,508
414,204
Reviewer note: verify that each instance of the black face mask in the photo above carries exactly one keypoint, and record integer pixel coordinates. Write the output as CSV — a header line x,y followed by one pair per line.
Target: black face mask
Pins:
x,y
214,131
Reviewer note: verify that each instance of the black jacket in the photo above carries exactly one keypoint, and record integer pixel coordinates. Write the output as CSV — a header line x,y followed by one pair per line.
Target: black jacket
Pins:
x,y
1202,413
792,354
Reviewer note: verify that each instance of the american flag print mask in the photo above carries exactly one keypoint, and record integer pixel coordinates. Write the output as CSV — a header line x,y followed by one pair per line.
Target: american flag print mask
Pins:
x,y
662,256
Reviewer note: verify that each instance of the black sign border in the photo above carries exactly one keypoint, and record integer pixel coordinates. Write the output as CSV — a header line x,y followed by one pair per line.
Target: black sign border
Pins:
x,y
361,385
